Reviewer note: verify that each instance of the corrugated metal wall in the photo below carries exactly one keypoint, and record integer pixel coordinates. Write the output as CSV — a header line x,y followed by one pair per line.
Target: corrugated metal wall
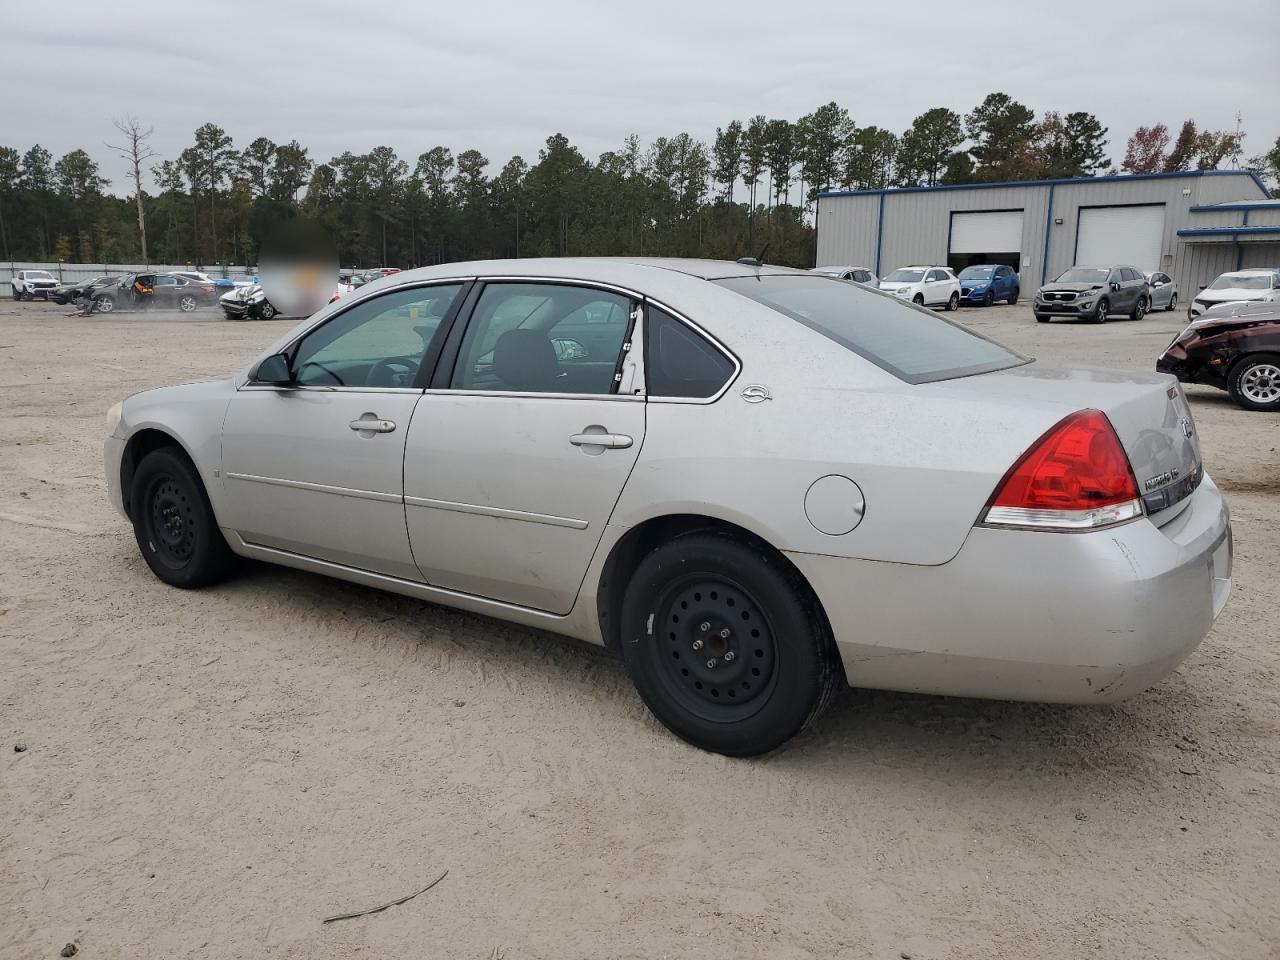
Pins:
x,y
917,223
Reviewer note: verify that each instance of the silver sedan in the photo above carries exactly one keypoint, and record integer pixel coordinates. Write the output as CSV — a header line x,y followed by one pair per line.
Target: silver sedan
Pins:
x,y
753,484
1164,291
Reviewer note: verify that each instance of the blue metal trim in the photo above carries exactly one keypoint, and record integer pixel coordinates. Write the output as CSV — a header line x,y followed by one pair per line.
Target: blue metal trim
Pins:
x,y
1048,225
1126,177
1227,231
879,232
1214,207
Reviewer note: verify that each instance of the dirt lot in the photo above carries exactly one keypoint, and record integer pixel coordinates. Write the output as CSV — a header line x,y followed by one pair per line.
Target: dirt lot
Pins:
x,y
211,773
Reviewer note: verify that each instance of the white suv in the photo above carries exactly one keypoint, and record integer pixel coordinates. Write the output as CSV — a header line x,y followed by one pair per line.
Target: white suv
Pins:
x,y
927,286
28,284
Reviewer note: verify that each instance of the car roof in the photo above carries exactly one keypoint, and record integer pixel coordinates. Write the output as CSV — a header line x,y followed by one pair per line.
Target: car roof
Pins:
x,y
1252,272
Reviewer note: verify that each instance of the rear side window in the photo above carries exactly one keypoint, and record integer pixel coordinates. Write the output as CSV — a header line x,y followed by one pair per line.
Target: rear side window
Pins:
x,y
679,362
913,344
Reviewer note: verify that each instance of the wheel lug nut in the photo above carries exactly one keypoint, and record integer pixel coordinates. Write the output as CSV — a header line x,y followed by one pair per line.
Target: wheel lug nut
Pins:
x,y
724,634
704,626
697,644
711,663
729,655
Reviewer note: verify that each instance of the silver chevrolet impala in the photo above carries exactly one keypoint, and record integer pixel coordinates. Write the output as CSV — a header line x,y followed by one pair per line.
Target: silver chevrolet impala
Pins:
x,y
752,483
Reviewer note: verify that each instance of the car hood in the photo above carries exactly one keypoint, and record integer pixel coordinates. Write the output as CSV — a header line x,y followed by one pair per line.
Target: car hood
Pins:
x,y
1233,293
975,282
1072,287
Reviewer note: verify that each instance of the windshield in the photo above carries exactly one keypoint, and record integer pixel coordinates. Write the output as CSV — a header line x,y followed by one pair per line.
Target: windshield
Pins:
x,y
1234,281
913,344
832,270
39,275
976,273
1084,275
905,276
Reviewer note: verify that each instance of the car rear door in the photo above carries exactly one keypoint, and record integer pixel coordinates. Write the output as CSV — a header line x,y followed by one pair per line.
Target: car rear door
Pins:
x,y
520,448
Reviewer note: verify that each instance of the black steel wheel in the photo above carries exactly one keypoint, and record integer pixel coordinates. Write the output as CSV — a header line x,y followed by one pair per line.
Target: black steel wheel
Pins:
x,y
726,644
173,521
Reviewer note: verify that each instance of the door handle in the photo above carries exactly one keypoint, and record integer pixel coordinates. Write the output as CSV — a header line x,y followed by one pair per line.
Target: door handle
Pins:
x,y
372,425
614,441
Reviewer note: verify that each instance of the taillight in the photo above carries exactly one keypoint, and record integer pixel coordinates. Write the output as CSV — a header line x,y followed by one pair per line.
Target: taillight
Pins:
x,y
1075,477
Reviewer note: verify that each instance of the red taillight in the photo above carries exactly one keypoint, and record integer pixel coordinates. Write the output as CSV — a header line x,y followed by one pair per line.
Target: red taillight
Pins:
x,y
1076,477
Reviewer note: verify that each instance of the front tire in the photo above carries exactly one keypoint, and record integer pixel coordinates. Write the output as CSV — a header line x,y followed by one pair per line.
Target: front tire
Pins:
x,y
989,298
266,311
1100,314
954,302
918,299
174,524
1254,382
726,644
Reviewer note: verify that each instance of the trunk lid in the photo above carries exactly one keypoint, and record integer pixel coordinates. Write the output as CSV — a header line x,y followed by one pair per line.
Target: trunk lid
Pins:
x,y
1149,412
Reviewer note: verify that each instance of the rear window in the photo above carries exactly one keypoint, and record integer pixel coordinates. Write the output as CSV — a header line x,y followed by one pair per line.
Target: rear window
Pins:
x,y
912,343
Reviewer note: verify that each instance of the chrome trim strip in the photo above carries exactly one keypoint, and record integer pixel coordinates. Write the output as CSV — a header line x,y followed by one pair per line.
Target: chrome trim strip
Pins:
x,y
570,522
318,388
318,487
451,392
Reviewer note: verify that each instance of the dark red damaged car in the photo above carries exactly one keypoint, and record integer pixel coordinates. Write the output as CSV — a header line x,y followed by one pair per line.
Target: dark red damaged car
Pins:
x,y
1234,347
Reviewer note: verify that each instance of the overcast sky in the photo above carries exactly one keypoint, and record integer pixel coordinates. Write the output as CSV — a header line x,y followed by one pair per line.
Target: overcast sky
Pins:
x,y
503,77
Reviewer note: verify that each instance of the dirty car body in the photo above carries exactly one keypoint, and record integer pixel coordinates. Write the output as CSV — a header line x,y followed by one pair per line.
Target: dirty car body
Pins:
x,y
590,446
1234,347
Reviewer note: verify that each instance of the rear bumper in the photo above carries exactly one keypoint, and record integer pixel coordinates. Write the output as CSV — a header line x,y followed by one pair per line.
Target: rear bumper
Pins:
x,y
1051,617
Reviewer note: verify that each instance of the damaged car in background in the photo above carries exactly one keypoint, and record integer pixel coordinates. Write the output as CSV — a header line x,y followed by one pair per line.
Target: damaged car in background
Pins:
x,y
1234,347
754,484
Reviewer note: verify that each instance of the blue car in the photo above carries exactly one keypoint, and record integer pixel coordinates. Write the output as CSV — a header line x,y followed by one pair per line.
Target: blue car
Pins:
x,y
983,284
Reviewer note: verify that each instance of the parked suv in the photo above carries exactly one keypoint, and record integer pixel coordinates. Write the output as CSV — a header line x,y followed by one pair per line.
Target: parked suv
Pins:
x,y
856,274
925,286
1094,293
1240,286
1234,347
983,284
29,284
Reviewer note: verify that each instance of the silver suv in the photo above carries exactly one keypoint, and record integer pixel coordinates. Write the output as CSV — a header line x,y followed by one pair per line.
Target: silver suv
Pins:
x,y
1094,293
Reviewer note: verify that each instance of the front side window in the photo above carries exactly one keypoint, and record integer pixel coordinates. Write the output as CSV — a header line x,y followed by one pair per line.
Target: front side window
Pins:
x,y
913,344
543,338
679,362
377,343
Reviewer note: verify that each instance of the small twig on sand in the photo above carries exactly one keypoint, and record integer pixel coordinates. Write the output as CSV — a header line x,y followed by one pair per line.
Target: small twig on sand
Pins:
x,y
393,903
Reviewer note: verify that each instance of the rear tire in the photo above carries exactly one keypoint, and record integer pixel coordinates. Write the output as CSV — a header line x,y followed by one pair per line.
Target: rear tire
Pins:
x,y
105,304
174,524
726,644
954,302
1100,314
187,304
1013,297
1254,382
1139,309
1173,303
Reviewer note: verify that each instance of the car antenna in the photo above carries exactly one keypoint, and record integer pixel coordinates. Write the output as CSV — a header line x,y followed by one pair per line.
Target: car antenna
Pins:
x,y
756,261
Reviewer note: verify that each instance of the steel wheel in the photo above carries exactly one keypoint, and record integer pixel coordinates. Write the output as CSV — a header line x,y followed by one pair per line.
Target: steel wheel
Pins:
x,y
1260,383
719,654
170,525
187,303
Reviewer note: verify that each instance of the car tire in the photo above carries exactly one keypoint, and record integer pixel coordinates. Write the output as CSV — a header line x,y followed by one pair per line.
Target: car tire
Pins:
x,y
1254,382
104,304
1013,297
989,298
16,294
918,299
174,524
266,311
709,601
1173,303
1100,312
187,303
954,302
1139,309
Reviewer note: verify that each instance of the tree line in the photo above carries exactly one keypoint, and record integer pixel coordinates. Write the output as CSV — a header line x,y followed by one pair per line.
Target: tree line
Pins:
x,y
749,190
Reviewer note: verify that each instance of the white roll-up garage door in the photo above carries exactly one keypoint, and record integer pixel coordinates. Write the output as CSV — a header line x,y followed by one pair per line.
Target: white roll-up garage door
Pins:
x,y
1111,235
997,231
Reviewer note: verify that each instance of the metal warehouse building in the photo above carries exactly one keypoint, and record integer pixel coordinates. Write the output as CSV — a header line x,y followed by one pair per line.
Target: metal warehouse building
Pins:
x,y
1192,226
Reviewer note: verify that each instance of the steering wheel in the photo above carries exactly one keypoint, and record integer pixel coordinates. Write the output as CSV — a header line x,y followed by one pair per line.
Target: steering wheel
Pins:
x,y
392,372
316,363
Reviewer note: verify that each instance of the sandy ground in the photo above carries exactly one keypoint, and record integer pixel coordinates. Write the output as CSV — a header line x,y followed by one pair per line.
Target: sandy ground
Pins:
x,y
211,773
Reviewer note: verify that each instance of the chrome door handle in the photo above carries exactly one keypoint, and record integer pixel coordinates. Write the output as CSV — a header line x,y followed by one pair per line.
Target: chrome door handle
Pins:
x,y
372,426
614,441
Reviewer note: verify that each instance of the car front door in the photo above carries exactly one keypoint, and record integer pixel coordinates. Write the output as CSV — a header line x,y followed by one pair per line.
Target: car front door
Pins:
x,y
933,287
316,468
520,448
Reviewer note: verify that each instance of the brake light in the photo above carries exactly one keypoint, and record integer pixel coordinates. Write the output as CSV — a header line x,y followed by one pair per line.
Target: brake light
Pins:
x,y
1075,477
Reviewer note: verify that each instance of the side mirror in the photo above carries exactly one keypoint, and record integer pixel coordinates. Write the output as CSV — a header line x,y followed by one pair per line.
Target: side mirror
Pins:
x,y
1203,287
274,371
1158,283
1115,285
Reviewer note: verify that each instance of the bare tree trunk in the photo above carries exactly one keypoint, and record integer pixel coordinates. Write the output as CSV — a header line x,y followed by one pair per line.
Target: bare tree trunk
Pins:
x,y
136,151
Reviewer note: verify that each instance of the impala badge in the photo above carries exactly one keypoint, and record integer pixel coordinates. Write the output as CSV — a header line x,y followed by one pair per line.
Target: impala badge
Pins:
x,y
755,393
1161,479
